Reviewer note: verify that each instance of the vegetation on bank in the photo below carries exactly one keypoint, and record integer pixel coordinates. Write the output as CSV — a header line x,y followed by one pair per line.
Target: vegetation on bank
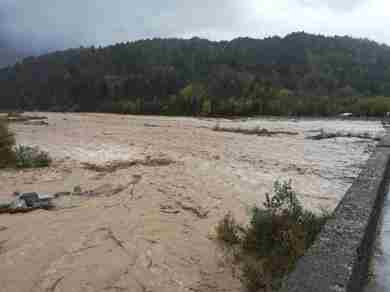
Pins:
x,y
300,74
276,105
7,142
19,156
276,237
31,157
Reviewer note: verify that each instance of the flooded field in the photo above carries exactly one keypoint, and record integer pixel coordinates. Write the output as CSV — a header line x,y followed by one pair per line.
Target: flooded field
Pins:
x,y
155,232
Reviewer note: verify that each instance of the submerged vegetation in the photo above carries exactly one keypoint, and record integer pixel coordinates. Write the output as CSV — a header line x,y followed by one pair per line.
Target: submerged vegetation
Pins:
x,y
31,157
19,156
300,74
276,237
7,141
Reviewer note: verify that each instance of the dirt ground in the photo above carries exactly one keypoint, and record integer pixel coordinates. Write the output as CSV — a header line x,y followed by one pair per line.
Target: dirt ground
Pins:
x,y
150,225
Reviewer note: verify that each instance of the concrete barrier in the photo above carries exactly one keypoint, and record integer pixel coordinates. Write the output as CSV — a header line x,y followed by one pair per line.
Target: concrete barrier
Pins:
x,y
339,258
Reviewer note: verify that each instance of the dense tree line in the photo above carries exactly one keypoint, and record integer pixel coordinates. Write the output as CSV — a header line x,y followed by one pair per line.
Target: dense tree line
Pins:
x,y
300,74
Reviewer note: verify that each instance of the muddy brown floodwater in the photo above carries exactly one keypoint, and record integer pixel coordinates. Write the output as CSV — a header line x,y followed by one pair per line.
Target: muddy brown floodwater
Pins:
x,y
162,184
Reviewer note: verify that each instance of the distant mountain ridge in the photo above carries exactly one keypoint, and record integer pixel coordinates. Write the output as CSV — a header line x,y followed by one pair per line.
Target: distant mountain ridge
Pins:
x,y
8,57
298,74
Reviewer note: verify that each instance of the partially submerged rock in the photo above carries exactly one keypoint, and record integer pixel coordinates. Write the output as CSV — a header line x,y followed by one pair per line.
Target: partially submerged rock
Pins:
x,y
27,202
29,198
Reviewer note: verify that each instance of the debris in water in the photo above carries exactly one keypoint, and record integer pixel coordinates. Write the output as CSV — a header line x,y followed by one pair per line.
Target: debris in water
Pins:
x,y
27,202
120,164
255,131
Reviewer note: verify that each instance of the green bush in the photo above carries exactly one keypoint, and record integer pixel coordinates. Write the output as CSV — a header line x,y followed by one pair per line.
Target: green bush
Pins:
x,y
7,141
20,156
276,237
228,230
31,157
253,275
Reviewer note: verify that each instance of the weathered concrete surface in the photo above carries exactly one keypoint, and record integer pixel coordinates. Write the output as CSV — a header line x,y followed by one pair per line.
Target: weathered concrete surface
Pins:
x,y
338,260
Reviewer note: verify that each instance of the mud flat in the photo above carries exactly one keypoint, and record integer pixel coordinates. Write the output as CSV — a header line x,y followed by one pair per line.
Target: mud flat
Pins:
x,y
174,179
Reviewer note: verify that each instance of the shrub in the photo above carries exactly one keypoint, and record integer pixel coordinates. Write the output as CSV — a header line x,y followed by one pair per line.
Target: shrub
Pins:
x,y
254,276
20,156
7,141
276,237
228,230
31,157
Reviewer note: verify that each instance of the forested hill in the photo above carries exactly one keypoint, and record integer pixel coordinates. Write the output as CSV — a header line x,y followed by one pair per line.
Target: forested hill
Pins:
x,y
300,74
8,55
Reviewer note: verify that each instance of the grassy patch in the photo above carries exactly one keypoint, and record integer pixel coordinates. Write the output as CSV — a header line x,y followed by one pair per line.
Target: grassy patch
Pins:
x,y
277,236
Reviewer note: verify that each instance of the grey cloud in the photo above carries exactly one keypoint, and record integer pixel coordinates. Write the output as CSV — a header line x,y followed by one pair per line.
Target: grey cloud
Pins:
x,y
56,24
338,5
41,25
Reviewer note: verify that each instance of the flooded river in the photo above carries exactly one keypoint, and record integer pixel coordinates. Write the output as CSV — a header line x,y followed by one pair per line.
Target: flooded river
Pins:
x,y
158,233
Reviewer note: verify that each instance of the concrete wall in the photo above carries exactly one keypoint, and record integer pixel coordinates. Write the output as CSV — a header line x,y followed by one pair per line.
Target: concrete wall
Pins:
x,y
338,260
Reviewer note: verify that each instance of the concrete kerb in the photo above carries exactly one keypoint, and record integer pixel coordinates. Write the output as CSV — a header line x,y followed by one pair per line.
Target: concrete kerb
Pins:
x,y
338,260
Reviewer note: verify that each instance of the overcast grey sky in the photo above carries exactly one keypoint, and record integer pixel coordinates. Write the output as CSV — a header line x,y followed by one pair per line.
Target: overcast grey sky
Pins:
x,y
57,24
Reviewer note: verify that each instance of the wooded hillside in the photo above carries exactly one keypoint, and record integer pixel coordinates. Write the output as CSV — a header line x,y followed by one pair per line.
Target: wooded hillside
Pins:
x,y
300,74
